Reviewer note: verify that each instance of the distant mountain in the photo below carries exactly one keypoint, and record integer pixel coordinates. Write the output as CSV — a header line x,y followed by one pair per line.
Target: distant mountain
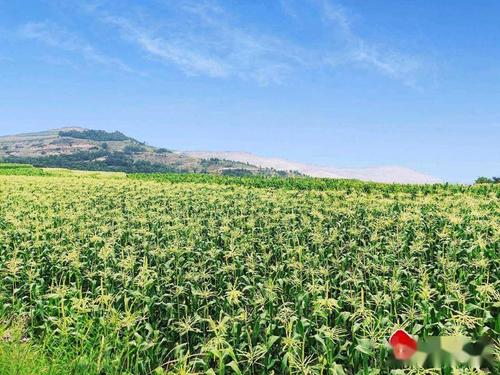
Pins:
x,y
377,174
88,149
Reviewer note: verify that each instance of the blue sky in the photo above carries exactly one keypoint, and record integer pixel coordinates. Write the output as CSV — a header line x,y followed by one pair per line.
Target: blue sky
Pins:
x,y
348,83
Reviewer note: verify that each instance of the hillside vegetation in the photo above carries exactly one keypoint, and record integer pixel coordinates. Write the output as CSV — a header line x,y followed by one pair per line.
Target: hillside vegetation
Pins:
x,y
197,274
99,150
95,135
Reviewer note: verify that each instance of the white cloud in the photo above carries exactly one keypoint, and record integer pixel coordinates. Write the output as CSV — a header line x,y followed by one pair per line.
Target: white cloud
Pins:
x,y
202,38
206,41
389,62
57,37
336,14
172,50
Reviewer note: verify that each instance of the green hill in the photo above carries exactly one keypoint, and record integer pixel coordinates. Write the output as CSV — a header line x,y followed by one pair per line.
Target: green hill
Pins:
x,y
99,150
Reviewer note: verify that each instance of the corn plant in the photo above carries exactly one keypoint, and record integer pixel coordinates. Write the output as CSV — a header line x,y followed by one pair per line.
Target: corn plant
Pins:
x,y
153,276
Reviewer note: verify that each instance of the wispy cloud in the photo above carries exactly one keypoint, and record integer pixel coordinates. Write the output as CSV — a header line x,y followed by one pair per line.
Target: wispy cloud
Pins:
x,y
208,42
204,38
172,50
57,37
386,60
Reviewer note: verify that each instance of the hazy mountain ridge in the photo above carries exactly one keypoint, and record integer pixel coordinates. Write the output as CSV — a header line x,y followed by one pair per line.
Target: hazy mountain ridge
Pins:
x,y
377,174
80,148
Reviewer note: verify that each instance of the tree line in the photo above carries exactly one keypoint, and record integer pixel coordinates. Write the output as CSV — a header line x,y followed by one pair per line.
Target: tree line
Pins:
x,y
487,180
95,135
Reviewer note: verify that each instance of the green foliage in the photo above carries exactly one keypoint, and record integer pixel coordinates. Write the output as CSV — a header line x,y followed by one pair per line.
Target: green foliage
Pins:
x,y
486,180
305,276
101,160
20,355
162,151
237,172
14,166
116,161
131,149
95,135
311,183
20,169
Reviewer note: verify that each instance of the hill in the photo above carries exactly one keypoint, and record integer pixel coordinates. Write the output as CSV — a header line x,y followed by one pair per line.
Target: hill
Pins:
x,y
99,150
88,149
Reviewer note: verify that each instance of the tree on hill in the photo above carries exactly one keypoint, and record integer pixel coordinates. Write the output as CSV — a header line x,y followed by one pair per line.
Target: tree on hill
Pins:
x,y
162,150
95,135
487,180
132,149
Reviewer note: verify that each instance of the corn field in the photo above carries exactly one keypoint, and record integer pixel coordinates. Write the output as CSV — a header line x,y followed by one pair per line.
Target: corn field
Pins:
x,y
135,276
